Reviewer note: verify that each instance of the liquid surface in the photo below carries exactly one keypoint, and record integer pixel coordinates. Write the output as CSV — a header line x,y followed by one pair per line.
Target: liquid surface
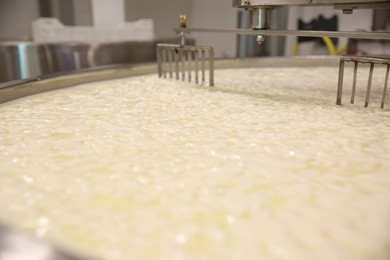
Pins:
x,y
262,166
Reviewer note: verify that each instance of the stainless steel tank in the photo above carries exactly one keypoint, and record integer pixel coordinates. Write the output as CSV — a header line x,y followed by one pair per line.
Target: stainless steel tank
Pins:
x,y
22,60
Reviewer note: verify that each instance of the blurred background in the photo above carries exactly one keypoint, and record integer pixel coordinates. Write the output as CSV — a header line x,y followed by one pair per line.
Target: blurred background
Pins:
x,y
46,36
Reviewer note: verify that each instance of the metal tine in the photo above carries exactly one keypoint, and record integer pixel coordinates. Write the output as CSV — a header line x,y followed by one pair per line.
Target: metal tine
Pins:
x,y
183,67
361,59
159,66
211,67
340,83
369,85
176,54
164,61
196,54
385,87
170,61
202,64
354,82
189,60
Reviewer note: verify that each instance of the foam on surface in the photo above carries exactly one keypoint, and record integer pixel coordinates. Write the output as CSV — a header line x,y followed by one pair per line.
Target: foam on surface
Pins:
x,y
263,166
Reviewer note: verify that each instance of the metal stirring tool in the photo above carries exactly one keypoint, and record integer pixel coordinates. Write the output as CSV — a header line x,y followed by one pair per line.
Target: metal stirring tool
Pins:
x,y
356,60
181,60
260,13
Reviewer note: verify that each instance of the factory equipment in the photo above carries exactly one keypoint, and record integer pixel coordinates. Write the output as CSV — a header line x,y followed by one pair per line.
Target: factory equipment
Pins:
x,y
169,56
260,16
356,60
261,9
176,60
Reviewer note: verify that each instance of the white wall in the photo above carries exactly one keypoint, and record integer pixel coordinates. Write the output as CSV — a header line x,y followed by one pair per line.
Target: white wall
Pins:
x,y
215,14
200,13
165,13
108,13
15,19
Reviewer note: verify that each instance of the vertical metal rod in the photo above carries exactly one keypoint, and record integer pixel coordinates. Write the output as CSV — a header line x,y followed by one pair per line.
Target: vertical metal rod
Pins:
x,y
385,87
176,54
170,60
159,65
183,64
182,39
369,85
196,53
163,64
175,61
340,84
354,82
202,64
189,60
211,67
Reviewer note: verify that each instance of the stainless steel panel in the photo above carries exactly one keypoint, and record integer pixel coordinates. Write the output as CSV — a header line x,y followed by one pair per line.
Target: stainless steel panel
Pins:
x,y
21,60
21,88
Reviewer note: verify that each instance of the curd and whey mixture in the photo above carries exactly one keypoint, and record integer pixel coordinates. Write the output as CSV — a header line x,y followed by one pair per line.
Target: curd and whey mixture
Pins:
x,y
262,166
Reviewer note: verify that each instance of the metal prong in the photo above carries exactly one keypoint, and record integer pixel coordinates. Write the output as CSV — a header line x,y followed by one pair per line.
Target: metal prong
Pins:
x,y
211,67
189,60
340,84
202,65
369,85
385,87
182,59
170,61
354,82
182,39
196,54
176,54
163,64
159,65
